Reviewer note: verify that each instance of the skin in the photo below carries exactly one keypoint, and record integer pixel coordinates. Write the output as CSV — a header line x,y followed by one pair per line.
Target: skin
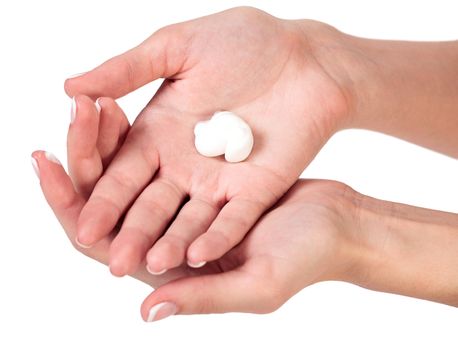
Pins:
x,y
258,259
151,178
320,230
327,81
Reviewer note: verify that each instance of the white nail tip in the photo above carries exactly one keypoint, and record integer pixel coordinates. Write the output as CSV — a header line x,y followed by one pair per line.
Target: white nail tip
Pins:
x,y
225,133
76,75
73,111
196,265
52,158
81,244
155,273
35,166
97,105
168,308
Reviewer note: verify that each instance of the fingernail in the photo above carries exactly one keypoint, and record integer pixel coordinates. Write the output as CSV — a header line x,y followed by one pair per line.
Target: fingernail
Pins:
x,y
97,105
35,167
52,158
155,273
161,311
76,75
81,244
73,111
196,265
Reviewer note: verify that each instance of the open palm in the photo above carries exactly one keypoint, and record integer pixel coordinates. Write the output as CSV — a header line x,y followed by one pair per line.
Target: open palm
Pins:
x,y
241,60
302,240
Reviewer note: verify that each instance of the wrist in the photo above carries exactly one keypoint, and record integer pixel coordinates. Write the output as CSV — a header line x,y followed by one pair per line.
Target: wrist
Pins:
x,y
334,52
348,256
407,250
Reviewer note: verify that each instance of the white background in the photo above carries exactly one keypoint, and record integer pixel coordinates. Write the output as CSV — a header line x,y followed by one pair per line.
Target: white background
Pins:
x,y
53,297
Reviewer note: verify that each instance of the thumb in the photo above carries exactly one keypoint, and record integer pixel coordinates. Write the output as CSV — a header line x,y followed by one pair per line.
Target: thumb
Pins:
x,y
162,55
233,291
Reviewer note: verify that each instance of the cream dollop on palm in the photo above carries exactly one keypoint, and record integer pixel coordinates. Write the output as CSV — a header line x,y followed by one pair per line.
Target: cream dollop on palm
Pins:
x,y
224,134
240,60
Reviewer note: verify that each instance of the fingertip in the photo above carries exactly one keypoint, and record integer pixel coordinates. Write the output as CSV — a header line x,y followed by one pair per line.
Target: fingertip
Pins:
x,y
160,311
98,106
161,298
68,87
117,264
116,269
197,254
196,265
77,241
35,164
70,84
84,237
84,240
125,257
164,256
155,272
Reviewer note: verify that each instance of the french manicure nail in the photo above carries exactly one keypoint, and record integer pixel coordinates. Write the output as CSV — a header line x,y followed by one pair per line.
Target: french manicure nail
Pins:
x,y
196,265
76,75
161,311
73,111
81,244
97,105
52,158
155,273
35,167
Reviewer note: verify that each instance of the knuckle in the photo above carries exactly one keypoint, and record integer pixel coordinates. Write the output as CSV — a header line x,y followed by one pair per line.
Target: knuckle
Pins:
x,y
119,180
156,208
172,245
108,204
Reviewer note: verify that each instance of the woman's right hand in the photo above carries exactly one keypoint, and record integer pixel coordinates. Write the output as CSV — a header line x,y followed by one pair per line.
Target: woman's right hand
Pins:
x,y
302,240
320,230
307,237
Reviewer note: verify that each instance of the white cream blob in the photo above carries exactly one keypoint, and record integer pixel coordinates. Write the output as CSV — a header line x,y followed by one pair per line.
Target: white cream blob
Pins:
x,y
225,133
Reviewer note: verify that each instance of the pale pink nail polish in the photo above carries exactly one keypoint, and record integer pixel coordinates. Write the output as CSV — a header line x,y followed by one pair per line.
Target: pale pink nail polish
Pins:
x,y
35,167
52,158
161,311
73,111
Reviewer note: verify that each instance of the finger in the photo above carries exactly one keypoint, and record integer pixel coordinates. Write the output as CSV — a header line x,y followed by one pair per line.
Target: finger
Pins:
x,y
160,56
233,291
170,250
84,163
130,171
58,190
65,202
113,128
230,226
144,223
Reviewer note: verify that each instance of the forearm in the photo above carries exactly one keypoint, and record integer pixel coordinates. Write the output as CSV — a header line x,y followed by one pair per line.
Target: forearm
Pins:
x,y
405,89
411,92
408,250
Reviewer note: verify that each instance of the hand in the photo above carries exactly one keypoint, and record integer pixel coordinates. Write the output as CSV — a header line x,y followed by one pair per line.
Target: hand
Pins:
x,y
308,237
241,60
321,230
